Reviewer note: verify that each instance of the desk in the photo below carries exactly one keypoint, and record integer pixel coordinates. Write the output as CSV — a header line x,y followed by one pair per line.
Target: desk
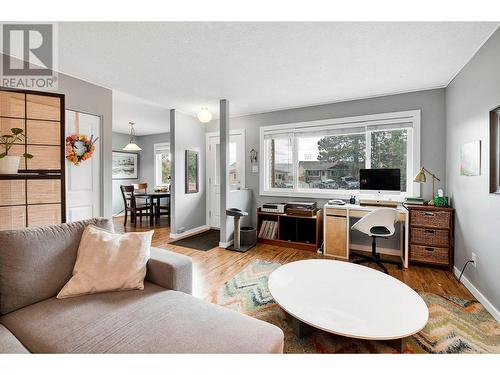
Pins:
x,y
337,229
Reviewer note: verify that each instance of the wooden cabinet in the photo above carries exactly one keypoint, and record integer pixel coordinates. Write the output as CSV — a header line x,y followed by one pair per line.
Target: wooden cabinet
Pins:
x,y
300,232
43,107
13,217
12,104
43,132
431,235
36,195
43,214
336,234
44,158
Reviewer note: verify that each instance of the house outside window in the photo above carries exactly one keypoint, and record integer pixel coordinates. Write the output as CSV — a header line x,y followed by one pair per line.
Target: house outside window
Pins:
x,y
324,157
162,164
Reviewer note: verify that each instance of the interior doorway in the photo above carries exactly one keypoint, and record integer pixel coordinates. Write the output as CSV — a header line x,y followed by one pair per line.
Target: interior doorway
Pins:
x,y
83,182
236,174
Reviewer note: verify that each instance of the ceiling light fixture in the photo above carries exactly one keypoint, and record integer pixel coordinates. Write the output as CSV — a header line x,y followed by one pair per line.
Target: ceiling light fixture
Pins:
x,y
204,115
132,146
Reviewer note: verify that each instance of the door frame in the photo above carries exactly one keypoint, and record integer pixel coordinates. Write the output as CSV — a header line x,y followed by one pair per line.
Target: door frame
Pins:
x,y
101,161
207,165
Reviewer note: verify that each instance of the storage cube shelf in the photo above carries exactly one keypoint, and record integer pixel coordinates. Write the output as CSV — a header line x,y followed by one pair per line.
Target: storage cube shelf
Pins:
x,y
36,195
300,232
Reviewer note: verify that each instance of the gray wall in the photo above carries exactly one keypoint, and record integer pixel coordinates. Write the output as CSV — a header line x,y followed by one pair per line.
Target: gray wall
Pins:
x,y
146,163
188,210
119,141
431,102
86,97
469,98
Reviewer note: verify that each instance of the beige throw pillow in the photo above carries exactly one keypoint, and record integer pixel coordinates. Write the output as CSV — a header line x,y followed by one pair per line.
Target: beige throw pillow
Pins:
x,y
108,261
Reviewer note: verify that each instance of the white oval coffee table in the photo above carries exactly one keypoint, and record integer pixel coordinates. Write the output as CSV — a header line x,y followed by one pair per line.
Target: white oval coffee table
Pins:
x,y
347,299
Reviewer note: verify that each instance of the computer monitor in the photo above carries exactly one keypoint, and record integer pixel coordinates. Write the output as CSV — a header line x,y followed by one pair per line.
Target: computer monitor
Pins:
x,y
382,181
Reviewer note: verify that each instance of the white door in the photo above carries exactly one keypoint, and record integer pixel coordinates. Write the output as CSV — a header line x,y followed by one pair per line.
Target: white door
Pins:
x,y
236,171
83,182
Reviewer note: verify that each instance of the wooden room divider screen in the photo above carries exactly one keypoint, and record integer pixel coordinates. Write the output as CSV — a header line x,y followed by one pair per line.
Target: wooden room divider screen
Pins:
x,y
34,196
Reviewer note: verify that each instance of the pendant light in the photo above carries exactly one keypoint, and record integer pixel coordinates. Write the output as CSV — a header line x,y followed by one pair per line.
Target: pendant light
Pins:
x,y
204,115
132,146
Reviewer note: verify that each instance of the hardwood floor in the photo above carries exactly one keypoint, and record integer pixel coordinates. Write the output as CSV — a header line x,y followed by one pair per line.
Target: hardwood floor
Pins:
x,y
214,267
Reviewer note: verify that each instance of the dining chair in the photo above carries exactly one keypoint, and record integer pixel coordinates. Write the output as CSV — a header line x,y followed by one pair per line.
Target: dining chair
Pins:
x,y
162,210
131,204
141,188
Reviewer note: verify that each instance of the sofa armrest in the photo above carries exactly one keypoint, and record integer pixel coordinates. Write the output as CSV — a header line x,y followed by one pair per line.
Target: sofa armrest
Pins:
x,y
170,270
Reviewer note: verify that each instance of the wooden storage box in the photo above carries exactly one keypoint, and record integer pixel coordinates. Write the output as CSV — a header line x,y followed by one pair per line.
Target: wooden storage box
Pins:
x,y
430,254
431,219
431,235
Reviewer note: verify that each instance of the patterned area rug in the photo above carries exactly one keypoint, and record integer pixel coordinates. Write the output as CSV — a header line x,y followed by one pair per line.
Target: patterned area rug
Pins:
x,y
455,325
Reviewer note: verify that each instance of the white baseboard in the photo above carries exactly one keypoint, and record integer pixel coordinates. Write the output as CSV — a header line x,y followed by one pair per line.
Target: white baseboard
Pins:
x,y
225,245
190,232
480,297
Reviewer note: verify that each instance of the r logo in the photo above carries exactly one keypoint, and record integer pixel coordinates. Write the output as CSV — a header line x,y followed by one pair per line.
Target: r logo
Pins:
x,y
27,50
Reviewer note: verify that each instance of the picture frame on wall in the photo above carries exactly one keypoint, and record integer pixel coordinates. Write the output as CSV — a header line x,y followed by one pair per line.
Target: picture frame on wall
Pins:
x,y
495,151
470,159
192,171
125,165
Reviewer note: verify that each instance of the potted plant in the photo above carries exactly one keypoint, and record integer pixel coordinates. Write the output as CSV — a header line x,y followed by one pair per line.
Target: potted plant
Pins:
x,y
9,164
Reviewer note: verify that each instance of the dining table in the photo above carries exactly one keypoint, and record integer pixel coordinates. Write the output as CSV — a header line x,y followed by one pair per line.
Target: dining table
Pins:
x,y
154,198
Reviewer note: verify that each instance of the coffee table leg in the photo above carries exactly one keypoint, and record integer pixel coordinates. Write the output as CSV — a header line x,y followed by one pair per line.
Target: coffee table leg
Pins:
x,y
398,344
300,328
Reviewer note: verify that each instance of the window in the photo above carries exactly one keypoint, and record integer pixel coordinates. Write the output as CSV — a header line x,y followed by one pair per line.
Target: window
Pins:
x,y
389,150
162,164
324,157
335,161
279,161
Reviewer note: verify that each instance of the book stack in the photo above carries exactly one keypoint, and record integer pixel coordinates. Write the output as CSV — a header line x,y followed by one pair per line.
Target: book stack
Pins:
x,y
414,200
269,229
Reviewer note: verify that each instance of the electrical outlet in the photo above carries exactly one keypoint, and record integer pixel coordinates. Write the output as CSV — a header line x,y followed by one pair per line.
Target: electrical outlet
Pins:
x,y
474,259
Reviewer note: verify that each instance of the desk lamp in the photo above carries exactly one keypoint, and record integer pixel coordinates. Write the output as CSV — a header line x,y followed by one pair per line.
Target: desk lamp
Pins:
x,y
420,177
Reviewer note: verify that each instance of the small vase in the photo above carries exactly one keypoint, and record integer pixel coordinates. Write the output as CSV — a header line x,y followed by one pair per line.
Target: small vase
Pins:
x,y
9,164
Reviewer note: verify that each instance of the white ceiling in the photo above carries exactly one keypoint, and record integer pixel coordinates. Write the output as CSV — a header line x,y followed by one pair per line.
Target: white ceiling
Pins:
x,y
266,66
149,118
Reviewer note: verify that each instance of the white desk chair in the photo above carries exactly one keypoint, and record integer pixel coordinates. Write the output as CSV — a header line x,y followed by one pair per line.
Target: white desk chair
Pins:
x,y
378,223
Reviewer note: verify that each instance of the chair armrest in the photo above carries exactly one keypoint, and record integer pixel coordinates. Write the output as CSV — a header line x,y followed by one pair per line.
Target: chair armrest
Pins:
x,y
170,270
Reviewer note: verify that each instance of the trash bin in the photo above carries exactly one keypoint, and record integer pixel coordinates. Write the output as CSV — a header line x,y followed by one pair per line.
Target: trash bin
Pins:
x,y
248,236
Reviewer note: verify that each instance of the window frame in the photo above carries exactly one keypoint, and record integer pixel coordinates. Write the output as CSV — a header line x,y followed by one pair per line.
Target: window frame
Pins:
x,y
160,148
413,151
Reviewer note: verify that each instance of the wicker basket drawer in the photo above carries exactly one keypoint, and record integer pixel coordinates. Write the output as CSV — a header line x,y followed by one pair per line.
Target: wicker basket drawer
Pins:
x,y
430,237
434,219
429,254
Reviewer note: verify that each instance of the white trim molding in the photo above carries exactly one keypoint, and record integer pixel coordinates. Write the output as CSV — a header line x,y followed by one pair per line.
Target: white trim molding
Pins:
x,y
189,233
157,148
208,168
480,296
391,118
225,245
